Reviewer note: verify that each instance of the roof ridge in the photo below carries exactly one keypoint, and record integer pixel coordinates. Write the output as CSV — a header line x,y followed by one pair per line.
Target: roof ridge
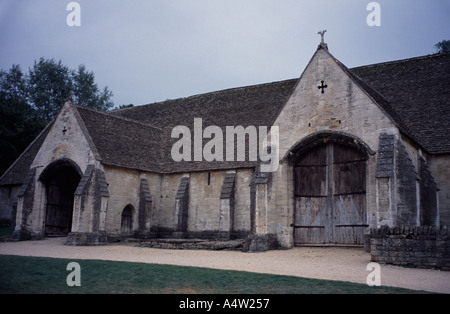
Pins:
x,y
109,114
242,87
384,63
227,90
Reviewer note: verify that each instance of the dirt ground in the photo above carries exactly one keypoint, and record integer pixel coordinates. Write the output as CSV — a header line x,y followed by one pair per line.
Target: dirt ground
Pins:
x,y
333,263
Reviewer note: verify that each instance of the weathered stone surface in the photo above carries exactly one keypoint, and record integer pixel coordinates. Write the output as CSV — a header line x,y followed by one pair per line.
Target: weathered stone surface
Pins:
x,y
385,156
260,243
193,244
86,239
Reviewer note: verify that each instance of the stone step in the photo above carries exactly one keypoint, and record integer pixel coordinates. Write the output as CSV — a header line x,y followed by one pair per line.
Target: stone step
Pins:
x,y
193,244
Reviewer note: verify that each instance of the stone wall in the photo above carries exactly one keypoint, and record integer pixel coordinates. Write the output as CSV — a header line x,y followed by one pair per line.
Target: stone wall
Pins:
x,y
8,205
440,168
429,212
406,178
124,190
422,247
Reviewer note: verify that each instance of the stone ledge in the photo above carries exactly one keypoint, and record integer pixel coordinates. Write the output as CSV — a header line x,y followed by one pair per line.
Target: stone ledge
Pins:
x,y
406,230
193,244
87,239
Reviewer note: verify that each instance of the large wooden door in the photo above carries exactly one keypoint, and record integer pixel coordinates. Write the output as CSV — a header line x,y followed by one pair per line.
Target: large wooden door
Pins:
x,y
330,196
60,191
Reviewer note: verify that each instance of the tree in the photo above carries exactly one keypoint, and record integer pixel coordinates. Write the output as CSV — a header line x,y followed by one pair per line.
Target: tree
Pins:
x,y
86,92
29,102
50,84
442,46
19,124
12,84
125,106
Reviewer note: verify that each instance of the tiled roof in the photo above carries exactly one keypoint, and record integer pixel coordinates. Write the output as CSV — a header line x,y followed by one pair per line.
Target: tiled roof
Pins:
x,y
122,142
418,91
246,106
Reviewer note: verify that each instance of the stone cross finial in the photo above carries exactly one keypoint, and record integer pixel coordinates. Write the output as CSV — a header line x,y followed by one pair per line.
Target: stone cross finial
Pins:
x,y
322,35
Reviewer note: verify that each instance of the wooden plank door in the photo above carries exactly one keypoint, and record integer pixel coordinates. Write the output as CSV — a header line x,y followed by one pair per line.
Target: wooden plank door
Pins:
x,y
330,200
311,198
349,195
127,221
60,189
59,212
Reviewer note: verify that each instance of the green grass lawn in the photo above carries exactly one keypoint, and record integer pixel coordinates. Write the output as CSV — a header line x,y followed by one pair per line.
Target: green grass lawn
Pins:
x,y
37,275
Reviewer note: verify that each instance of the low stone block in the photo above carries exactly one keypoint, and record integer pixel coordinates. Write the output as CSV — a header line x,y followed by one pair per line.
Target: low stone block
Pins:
x,y
86,239
260,243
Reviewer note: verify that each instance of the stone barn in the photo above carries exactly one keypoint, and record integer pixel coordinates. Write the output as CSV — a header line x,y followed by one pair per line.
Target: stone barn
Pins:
x,y
354,149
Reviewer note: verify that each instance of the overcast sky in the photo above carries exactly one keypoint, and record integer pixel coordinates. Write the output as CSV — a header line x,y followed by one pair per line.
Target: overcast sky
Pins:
x,y
153,50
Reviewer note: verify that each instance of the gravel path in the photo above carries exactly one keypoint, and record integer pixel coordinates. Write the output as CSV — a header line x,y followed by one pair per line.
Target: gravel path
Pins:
x,y
345,264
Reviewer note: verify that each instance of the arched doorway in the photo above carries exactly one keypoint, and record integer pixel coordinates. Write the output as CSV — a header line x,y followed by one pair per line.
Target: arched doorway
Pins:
x,y
61,179
126,226
330,194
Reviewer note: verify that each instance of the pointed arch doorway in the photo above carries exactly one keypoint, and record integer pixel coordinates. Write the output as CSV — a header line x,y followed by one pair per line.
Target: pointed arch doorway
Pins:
x,y
330,195
126,224
61,180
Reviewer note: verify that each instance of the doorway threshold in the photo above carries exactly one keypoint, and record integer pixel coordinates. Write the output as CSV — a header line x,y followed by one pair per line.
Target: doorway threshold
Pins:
x,y
338,245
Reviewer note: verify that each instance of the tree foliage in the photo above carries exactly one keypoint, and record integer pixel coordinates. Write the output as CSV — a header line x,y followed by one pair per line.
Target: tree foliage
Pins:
x,y
48,86
86,93
30,101
442,46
